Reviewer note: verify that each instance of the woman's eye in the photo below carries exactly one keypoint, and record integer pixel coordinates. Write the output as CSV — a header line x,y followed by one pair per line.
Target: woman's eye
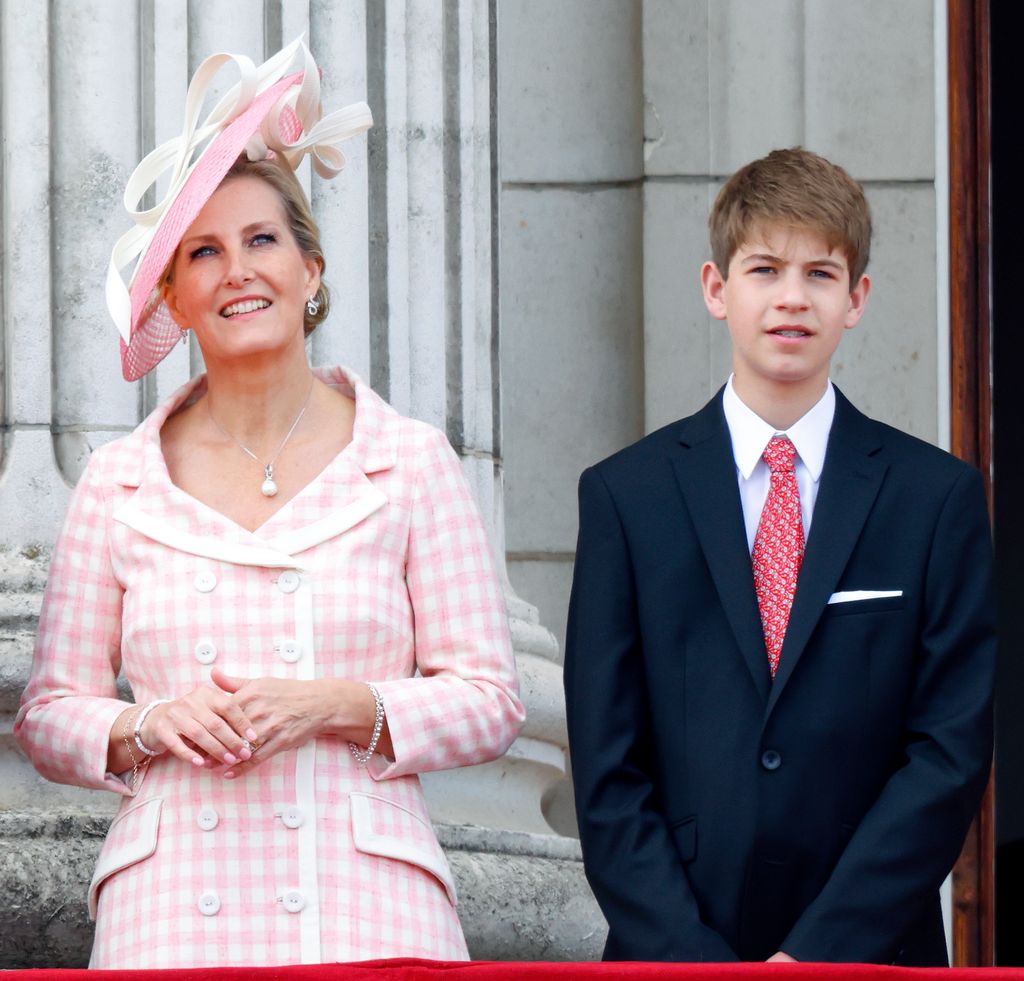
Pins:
x,y
201,251
264,238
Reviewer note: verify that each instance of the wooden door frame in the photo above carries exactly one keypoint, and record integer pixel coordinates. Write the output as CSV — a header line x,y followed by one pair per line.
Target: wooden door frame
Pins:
x,y
971,390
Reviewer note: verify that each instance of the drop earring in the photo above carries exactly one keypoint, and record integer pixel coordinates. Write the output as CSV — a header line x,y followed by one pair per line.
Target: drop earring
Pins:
x,y
312,306
184,335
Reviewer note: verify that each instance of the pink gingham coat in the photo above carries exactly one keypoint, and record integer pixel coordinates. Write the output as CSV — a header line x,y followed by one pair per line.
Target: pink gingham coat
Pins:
x,y
378,569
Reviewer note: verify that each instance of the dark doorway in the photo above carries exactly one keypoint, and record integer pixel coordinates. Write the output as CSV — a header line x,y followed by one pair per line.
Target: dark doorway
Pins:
x,y
1007,218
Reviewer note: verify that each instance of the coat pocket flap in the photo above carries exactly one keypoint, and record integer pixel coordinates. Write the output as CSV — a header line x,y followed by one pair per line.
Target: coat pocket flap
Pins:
x,y
131,838
386,828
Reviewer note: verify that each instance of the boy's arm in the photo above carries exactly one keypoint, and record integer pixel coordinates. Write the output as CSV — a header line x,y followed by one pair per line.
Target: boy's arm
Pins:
x,y
910,838
631,861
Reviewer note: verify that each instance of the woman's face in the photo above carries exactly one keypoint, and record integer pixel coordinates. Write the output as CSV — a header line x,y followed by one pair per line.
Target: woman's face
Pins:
x,y
239,280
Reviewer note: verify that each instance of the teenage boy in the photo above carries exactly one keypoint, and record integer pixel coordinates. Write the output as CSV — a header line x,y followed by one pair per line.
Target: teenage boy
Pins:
x,y
777,750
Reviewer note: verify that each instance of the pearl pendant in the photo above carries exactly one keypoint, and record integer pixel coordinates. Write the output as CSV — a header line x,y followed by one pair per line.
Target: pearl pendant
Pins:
x,y
268,487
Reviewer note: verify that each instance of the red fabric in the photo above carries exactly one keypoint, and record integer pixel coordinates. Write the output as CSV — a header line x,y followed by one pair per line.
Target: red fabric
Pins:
x,y
778,547
407,969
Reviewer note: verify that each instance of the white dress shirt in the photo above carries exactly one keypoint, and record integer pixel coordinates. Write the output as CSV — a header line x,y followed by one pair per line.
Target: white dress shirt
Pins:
x,y
750,435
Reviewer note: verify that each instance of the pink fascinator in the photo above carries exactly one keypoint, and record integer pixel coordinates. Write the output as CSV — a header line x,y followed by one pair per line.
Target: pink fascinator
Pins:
x,y
273,109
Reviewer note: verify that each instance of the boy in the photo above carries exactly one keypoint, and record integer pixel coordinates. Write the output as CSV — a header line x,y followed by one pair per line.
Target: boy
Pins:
x,y
777,747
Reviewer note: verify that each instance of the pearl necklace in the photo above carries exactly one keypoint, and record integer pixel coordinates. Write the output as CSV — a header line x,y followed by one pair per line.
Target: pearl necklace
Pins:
x,y
268,488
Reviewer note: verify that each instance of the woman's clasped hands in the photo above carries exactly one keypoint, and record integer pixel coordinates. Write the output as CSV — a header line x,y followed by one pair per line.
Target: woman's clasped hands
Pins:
x,y
236,723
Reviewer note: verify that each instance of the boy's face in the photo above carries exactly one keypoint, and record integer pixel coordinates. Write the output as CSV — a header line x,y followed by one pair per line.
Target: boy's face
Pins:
x,y
787,301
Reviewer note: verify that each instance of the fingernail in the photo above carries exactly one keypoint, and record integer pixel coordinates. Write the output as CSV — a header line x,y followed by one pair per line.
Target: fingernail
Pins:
x,y
197,761
245,753
230,758
230,775
250,734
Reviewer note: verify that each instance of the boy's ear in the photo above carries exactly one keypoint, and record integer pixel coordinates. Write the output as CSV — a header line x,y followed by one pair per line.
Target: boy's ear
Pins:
x,y
858,299
712,284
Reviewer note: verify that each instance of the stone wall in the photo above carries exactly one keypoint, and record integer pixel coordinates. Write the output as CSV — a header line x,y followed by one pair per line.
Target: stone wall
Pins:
x,y
87,86
619,122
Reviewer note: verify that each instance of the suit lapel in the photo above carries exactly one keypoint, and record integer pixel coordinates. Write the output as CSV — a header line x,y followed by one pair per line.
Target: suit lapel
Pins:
x,y
850,482
706,472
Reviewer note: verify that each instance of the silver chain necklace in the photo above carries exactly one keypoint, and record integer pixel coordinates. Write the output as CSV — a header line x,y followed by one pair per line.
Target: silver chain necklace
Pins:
x,y
268,488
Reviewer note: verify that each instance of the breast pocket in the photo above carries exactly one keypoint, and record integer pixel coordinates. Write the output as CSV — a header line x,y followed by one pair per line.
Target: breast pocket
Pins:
x,y
882,604
382,827
131,839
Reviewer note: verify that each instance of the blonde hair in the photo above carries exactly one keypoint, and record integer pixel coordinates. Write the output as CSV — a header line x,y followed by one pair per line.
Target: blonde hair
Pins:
x,y
798,189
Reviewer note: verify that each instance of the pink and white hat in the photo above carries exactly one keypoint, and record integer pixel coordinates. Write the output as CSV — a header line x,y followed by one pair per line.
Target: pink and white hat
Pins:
x,y
274,108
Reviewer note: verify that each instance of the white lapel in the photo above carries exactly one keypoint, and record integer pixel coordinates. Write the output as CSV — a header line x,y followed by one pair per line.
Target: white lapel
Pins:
x,y
339,499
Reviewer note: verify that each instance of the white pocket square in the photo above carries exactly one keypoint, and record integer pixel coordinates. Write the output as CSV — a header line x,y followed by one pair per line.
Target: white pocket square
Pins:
x,y
853,595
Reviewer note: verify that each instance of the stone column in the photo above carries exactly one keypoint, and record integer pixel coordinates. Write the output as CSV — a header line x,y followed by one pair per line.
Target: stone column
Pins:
x,y
408,233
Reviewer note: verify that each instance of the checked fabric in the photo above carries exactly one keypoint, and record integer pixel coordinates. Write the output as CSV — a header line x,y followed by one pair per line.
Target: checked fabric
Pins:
x,y
778,547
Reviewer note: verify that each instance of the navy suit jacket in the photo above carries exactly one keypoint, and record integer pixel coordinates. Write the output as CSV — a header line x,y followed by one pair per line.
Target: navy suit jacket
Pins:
x,y
724,815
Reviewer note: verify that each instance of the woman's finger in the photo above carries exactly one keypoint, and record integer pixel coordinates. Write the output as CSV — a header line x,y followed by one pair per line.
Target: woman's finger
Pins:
x,y
205,719
226,682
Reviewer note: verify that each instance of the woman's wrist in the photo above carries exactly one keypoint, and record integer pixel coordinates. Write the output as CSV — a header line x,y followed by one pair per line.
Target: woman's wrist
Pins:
x,y
348,709
147,745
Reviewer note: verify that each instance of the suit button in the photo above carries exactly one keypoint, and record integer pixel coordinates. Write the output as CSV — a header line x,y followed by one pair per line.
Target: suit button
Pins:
x,y
294,901
207,818
288,581
209,904
771,760
206,652
205,581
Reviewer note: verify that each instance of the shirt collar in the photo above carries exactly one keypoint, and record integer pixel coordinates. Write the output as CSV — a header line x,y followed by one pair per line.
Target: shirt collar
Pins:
x,y
750,433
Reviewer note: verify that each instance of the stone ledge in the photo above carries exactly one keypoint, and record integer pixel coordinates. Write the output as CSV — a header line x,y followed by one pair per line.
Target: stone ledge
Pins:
x,y
521,896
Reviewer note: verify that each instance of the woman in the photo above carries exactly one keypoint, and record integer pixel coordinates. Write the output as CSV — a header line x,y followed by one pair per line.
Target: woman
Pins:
x,y
296,583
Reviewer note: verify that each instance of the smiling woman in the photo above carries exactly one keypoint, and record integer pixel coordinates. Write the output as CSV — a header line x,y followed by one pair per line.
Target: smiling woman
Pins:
x,y
294,578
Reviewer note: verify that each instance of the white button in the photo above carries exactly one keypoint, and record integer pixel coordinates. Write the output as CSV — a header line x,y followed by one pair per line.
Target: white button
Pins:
x,y
288,581
207,818
289,650
293,817
294,901
209,904
206,652
205,581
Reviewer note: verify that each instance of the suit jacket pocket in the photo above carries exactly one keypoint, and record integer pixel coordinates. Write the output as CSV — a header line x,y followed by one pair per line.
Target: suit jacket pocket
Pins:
x,y
881,604
386,828
131,838
684,833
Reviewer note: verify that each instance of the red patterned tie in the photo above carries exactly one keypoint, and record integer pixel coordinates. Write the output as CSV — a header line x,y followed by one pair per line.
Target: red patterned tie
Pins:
x,y
778,547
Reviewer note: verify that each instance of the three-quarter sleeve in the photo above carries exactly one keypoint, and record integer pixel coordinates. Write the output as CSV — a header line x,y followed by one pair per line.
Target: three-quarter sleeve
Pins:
x,y
71,703
464,708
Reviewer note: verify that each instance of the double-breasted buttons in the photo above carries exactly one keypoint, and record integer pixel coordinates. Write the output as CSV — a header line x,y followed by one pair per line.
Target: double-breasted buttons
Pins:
x,y
207,818
293,816
771,759
288,581
205,581
206,652
288,650
209,903
294,901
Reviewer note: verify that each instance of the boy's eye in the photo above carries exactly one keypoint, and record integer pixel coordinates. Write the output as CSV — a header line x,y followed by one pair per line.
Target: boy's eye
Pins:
x,y
821,274
763,269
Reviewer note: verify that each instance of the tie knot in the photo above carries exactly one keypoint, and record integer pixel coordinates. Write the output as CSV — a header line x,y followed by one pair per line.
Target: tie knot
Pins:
x,y
780,454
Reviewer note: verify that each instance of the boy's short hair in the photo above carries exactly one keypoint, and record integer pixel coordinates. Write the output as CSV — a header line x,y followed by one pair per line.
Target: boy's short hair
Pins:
x,y
798,189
